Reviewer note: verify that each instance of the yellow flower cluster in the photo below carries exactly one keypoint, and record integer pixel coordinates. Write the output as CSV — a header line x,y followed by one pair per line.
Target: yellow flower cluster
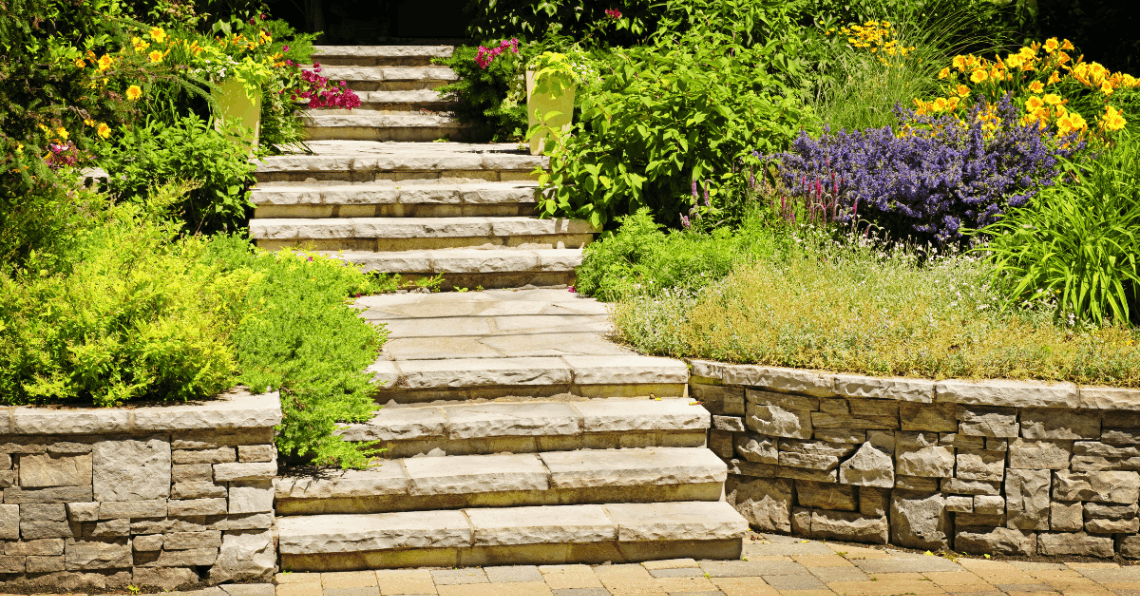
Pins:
x,y
1041,76
876,37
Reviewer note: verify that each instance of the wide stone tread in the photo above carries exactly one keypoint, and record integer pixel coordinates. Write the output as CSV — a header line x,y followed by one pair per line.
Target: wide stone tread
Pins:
x,y
475,474
511,526
530,419
375,157
487,193
466,260
413,227
317,119
382,74
382,51
395,101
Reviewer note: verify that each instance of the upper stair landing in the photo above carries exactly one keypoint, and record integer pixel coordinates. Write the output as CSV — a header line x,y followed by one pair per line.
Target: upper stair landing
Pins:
x,y
379,55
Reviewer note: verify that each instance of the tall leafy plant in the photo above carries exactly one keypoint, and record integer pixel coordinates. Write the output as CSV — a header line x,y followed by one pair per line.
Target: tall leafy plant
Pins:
x,y
1078,244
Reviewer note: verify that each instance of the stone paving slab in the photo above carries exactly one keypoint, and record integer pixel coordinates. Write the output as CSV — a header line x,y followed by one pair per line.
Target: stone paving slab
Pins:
x,y
832,570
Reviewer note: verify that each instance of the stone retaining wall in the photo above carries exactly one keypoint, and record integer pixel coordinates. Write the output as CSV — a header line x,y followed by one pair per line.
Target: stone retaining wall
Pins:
x,y
992,467
166,496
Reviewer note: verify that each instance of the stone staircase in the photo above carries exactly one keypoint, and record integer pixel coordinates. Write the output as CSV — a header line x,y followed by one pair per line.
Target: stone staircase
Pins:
x,y
513,431
379,192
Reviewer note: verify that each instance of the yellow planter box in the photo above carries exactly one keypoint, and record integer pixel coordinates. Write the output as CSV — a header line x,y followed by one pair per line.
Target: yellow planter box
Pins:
x,y
233,102
541,104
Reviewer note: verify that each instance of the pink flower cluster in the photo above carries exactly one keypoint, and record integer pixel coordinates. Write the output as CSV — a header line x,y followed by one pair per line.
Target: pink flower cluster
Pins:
x,y
486,55
613,13
59,156
321,94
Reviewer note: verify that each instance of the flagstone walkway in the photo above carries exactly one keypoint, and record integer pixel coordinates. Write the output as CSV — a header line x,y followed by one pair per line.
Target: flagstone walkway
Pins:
x,y
773,565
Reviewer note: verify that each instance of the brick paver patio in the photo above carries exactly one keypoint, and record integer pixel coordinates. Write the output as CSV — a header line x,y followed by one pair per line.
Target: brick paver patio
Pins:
x,y
771,565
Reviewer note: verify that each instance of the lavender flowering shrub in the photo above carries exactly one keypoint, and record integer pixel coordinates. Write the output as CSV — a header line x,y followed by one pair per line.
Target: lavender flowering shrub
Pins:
x,y
932,177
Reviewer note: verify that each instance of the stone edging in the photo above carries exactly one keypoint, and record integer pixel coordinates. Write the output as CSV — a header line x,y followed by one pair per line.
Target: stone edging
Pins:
x,y
1000,392
235,409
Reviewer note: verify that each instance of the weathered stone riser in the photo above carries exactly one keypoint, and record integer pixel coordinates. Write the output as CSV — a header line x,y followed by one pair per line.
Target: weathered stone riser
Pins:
x,y
331,178
490,281
396,85
415,396
394,210
1000,467
400,244
537,554
424,134
553,496
387,107
374,61
542,444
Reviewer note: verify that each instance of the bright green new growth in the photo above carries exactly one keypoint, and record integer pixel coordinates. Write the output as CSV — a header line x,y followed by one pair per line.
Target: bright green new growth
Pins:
x,y
1077,244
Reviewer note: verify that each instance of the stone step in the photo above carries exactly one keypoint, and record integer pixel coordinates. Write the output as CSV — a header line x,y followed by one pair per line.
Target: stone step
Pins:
x,y
379,55
533,426
626,532
389,78
497,267
353,161
395,102
380,234
656,474
388,199
385,127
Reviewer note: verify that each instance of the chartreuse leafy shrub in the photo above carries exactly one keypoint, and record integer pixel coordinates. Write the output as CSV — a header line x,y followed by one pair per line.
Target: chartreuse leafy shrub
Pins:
x,y
488,93
189,149
930,176
858,307
662,117
1077,245
301,337
129,312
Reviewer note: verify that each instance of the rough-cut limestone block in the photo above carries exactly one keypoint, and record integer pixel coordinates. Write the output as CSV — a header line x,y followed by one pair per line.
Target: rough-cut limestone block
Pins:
x,y
978,520
189,540
834,405
1005,541
83,512
709,369
236,408
244,521
875,408
96,554
316,534
783,400
251,497
382,51
1038,423
1101,487
1039,455
1093,463
732,424
54,494
1066,517
1027,499
960,441
193,557
132,509
387,477
512,419
917,484
960,504
908,390
720,443
869,466
131,470
566,524
43,470
988,422
778,421
1074,544
194,507
807,461
400,424
166,578
150,542
919,454
765,502
981,465
929,417
693,520
1098,449
245,556
467,474
172,524
801,521
197,490
960,486
874,501
804,473
994,444
816,447
239,471
109,529
1130,547
1110,398
787,380
26,548
919,520
217,455
819,495
852,526
841,435
756,448
623,415
655,466
384,372
77,421
823,420
1015,394
989,505
629,369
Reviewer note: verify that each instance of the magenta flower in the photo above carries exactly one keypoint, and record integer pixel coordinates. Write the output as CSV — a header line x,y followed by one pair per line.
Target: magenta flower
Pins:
x,y
613,13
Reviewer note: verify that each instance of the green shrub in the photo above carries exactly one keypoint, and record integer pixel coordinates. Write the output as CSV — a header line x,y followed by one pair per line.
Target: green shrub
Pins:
x,y
190,149
1077,245
127,313
489,97
663,117
301,337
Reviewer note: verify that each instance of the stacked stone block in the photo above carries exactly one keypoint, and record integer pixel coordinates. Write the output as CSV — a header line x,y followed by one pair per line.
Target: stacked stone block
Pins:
x,y
165,497
988,467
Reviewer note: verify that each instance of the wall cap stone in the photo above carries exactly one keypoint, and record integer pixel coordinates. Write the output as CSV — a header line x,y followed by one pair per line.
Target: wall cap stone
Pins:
x,y
234,409
993,392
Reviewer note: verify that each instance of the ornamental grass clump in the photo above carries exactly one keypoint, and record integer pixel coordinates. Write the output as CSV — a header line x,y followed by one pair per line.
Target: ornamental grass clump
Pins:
x,y
931,176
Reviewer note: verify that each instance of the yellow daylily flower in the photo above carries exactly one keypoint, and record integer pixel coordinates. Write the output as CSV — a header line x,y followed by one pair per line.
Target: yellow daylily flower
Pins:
x,y
103,130
1036,87
979,76
158,35
155,56
134,92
